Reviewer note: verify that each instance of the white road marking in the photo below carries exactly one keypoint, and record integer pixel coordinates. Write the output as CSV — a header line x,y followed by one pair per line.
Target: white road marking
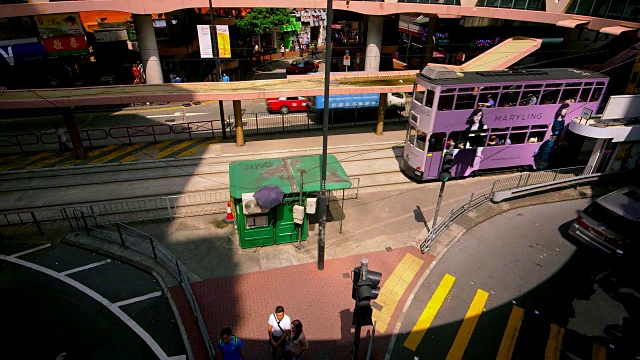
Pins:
x,y
139,298
85,267
114,309
176,114
30,250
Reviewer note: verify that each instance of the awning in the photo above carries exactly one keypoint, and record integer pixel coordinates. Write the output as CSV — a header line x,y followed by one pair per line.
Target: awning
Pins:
x,y
571,23
616,30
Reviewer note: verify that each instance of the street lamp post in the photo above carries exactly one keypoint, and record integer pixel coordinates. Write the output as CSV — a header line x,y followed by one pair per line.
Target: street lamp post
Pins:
x,y
214,42
322,199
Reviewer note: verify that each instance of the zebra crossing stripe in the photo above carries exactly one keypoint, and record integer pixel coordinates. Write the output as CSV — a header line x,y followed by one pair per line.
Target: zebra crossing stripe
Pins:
x,y
554,344
510,334
429,313
468,325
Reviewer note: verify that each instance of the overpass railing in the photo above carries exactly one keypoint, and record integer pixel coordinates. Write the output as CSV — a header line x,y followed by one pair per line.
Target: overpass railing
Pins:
x,y
514,182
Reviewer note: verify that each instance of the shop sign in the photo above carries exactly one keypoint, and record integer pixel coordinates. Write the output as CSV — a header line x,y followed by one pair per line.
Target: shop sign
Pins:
x,y
66,45
59,24
406,25
224,44
111,35
336,26
23,53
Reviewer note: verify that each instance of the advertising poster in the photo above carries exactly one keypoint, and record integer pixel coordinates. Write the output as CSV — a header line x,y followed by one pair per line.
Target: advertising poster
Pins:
x,y
224,44
59,24
204,38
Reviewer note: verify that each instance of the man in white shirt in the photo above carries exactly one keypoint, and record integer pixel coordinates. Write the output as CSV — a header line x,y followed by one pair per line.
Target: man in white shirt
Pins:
x,y
279,326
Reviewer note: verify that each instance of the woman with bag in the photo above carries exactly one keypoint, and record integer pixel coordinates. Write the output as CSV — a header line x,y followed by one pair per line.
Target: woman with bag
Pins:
x,y
296,341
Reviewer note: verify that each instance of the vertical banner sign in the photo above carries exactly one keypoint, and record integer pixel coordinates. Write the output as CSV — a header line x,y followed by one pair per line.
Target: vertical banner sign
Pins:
x,y
224,44
204,38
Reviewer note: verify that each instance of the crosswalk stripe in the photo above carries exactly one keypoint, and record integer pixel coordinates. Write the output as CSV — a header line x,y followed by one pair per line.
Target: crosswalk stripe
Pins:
x,y
554,344
429,313
393,289
510,334
598,352
47,161
468,325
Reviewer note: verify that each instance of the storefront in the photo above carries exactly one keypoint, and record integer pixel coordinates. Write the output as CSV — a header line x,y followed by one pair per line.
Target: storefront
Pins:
x,y
262,220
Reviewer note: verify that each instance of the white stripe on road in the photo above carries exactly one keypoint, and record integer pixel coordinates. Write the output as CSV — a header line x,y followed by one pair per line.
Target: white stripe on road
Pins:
x,y
139,298
114,309
85,267
30,250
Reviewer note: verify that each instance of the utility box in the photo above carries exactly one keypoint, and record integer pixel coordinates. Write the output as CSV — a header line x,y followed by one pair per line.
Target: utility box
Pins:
x,y
311,205
298,214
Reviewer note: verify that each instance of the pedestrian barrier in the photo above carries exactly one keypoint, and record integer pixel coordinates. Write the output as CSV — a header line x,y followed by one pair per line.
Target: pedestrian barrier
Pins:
x,y
112,231
18,140
86,135
515,182
130,132
194,128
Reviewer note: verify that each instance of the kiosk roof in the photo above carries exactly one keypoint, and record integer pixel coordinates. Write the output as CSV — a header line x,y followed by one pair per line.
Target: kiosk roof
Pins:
x,y
250,175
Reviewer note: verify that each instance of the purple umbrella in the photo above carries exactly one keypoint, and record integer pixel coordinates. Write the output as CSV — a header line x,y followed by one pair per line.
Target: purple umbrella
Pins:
x,y
269,196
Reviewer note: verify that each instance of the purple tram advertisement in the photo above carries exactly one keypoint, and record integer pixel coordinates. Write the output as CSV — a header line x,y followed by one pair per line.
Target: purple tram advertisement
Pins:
x,y
501,130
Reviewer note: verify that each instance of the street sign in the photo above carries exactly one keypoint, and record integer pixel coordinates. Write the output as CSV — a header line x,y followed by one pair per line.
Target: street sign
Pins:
x,y
346,60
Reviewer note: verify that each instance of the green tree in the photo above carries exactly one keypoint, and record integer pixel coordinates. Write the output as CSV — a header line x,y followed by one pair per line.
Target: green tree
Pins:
x,y
260,20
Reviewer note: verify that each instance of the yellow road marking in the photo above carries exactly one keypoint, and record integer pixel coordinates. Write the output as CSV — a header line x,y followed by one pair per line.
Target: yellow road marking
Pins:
x,y
598,352
42,163
175,148
554,344
468,325
393,289
189,152
115,154
510,334
429,313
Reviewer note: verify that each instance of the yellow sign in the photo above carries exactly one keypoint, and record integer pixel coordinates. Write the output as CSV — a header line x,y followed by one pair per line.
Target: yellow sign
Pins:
x,y
224,44
347,58
59,24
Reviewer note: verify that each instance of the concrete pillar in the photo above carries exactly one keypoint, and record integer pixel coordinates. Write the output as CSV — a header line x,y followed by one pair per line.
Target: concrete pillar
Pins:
x,y
237,115
374,43
74,134
382,108
428,50
596,156
148,48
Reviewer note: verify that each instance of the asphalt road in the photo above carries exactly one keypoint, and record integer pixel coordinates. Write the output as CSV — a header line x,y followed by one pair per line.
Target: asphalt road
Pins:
x,y
45,317
521,259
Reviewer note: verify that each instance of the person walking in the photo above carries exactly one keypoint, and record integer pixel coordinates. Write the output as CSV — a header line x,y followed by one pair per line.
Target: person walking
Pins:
x,y
141,75
314,51
230,347
296,341
225,78
62,140
136,74
278,327
282,51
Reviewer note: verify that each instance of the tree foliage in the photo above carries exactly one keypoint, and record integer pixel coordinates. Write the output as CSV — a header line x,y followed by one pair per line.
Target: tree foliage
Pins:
x,y
260,20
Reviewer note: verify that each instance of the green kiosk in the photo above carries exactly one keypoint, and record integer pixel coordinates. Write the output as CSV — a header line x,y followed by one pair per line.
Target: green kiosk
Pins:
x,y
298,178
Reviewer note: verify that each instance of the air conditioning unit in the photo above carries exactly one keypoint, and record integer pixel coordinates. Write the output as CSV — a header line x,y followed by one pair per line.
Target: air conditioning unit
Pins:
x,y
439,72
250,205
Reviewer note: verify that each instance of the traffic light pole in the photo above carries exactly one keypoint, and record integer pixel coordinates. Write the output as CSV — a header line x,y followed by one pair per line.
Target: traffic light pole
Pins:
x,y
356,343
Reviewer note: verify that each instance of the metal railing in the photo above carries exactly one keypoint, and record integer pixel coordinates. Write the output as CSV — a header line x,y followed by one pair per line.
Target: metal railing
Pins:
x,y
86,135
130,132
482,196
128,237
263,123
18,140
165,207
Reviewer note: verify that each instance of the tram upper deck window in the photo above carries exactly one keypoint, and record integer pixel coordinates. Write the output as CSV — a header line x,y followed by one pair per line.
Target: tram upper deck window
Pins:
x,y
445,102
466,101
428,101
509,98
596,93
550,96
418,94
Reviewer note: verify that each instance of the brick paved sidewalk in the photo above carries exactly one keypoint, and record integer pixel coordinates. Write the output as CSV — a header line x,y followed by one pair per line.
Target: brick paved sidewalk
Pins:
x,y
320,299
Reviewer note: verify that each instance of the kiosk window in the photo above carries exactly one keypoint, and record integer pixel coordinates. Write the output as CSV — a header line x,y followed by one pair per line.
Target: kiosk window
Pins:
x,y
254,221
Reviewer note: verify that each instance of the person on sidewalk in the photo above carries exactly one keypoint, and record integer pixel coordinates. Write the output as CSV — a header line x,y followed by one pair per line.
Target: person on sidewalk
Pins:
x,y
62,140
296,341
229,346
282,51
314,51
225,78
278,327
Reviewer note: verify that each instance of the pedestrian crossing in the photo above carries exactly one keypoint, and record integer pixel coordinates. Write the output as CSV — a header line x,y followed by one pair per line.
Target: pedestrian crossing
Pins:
x,y
107,154
506,331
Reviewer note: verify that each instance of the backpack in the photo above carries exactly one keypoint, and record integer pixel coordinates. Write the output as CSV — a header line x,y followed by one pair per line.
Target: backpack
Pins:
x,y
234,341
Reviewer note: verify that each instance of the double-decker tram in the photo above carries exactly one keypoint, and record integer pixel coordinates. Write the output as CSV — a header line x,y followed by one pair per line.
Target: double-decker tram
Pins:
x,y
463,123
